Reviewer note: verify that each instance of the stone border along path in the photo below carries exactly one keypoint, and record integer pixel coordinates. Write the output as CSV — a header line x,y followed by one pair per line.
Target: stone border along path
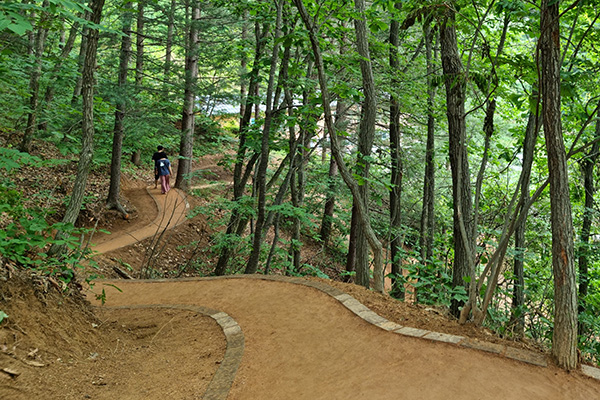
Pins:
x,y
222,381
234,333
219,386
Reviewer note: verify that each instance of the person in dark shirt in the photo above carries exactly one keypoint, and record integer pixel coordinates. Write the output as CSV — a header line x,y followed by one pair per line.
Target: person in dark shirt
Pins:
x,y
160,153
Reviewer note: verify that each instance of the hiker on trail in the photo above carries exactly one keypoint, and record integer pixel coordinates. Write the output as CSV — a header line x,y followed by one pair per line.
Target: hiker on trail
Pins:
x,y
164,172
159,154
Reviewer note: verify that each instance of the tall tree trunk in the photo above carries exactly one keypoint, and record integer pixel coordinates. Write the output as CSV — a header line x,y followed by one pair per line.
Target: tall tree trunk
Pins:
x,y
81,58
365,139
327,220
87,143
243,67
463,268
587,167
169,41
352,184
351,256
428,211
139,45
112,201
50,89
261,177
34,81
397,168
186,145
564,338
518,298
341,122
236,223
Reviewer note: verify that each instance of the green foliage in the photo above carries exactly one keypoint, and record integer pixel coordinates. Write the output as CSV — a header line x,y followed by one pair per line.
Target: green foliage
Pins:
x,y
102,295
11,18
3,316
429,283
26,233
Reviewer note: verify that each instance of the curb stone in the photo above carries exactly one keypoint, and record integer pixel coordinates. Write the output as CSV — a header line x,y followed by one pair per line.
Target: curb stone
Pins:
x,y
592,372
219,386
373,318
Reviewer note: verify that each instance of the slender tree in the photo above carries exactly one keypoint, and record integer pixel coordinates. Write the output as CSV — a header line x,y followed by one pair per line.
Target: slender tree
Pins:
x,y
518,298
243,168
261,175
139,44
427,221
186,145
112,201
454,79
87,143
169,40
55,73
352,184
564,338
587,168
34,80
396,161
365,139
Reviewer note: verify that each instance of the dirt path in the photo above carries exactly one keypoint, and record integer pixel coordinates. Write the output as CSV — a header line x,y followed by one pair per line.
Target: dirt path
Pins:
x,y
172,209
303,344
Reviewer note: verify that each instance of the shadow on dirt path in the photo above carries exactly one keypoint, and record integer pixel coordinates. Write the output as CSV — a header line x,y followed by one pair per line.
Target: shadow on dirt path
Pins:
x,y
303,344
172,209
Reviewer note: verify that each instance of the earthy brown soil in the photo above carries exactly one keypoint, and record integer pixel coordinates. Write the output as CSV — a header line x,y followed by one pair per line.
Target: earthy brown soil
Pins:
x,y
300,343
53,347
303,344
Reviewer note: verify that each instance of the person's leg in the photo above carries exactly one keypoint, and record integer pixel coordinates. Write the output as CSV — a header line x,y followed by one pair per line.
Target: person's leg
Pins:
x,y
167,183
163,184
156,180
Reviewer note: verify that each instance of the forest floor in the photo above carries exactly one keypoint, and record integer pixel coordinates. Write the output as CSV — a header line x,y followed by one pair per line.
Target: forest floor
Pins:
x,y
299,343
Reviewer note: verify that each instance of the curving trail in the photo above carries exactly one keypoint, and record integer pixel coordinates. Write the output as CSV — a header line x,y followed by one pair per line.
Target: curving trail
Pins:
x,y
301,343
172,209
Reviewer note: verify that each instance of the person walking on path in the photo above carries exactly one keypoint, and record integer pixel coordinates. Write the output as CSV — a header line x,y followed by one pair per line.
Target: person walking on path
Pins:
x,y
159,154
163,167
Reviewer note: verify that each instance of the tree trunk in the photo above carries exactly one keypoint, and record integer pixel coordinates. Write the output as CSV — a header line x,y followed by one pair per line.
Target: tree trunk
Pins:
x,y
261,177
463,268
587,167
428,211
186,145
396,166
375,244
243,67
87,145
112,201
351,256
564,339
169,42
139,45
81,58
327,220
341,123
50,89
136,157
518,298
34,82
365,140
240,178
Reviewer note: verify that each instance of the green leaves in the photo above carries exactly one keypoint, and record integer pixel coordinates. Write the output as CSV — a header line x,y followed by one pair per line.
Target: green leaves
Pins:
x,y
13,21
3,316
